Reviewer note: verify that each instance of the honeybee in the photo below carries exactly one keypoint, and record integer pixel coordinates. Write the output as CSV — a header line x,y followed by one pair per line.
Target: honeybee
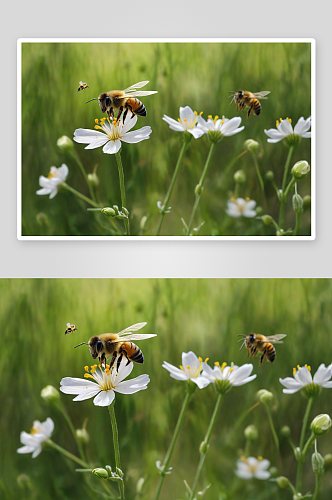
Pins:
x,y
256,342
70,328
118,345
245,98
82,86
118,100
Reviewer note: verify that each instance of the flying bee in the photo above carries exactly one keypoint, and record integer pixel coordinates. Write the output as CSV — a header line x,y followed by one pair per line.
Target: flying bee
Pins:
x,y
70,328
245,98
118,345
119,100
255,342
82,86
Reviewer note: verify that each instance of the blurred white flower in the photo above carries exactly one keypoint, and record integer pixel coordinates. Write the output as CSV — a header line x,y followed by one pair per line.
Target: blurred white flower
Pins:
x,y
186,122
113,132
225,377
38,434
303,380
50,183
241,207
189,370
217,127
250,467
105,383
285,130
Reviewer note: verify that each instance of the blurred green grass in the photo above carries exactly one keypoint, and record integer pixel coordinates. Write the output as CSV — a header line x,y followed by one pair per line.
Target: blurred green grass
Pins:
x,y
203,315
195,74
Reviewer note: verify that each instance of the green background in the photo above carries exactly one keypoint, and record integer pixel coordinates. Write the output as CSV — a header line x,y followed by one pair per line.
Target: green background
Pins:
x,y
202,315
195,74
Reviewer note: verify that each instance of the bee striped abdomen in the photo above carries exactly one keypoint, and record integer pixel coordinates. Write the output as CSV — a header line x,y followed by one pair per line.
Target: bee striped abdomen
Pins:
x,y
270,352
257,106
133,352
136,106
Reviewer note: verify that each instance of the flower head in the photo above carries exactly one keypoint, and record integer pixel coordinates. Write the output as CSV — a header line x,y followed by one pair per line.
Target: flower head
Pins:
x,y
225,377
105,383
241,207
50,183
39,433
250,467
189,370
186,123
217,128
113,132
303,380
285,131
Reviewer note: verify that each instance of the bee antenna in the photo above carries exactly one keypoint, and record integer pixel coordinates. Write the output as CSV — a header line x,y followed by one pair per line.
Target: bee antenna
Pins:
x,y
86,343
241,339
94,99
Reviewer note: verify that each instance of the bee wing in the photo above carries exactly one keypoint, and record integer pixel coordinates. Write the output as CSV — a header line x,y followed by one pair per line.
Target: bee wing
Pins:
x,y
262,94
141,93
276,339
68,324
137,336
81,83
136,86
132,328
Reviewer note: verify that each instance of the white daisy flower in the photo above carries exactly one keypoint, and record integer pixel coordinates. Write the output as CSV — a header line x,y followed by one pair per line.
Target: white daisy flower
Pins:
x,y
38,434
105,383
50,183
113,132
186,122
217,128
250,467
241,207
285,130
189,370
303,380
225,377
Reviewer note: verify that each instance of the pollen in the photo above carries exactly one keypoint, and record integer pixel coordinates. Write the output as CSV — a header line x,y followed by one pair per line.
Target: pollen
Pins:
x,y
181,367
210,117
96,120
97,127
107,371
294,371
247,199
196,113
289,119
308,367
223,366
217,363
215,118
206,360
201,113
277,123
93,369
87,375
86,368
259,458
35,430
200,359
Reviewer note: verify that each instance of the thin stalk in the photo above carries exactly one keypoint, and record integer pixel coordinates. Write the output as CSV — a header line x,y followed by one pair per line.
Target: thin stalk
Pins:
x,y
318,482
122,188
199,188
171,186
80,164
260,180
274,434
206,442
73,431
302,437
172,444
116,446
283,188
79,195
298,218
67,453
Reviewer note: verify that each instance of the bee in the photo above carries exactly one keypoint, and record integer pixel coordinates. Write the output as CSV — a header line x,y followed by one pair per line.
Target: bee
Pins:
x,y
256,342
70,328
118,345
119,100
245,98
82,86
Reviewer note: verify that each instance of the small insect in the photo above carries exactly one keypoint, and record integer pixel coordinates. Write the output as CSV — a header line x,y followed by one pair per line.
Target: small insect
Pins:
x,y
245,98
255,342
70,328
82,86
118,345
119,100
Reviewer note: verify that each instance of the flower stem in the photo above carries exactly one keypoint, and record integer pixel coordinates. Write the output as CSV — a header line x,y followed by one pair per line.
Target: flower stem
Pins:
x,y
302,437
318,482
116,446
199,188
274,434
80,195
172,444
206,442
67,453
73,431
122,189
260,180
171,186
80,164
283,188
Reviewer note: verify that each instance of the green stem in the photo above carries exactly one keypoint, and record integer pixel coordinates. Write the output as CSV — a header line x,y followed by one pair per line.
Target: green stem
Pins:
x,y
274,434
171,186
73,431
122,189
80,195
206,442
80,164
298,218
199,188
318,482
302,437
116,446
172,444
283,188
261,182
67,453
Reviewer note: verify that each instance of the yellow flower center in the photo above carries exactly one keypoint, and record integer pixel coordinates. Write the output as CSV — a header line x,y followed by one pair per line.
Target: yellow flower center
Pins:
x,y
298,367
35,430
191,122
51,174
288,119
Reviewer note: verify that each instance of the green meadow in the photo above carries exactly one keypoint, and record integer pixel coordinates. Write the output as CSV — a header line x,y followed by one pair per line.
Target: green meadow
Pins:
x,y
202,315
198,75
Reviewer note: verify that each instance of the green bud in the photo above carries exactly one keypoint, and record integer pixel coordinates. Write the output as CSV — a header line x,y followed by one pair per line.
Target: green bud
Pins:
x,y
273,471
282,482
82,436
240,177
269,176
306,201
65,144
317,462
280,195
198,190
280,232
214,136
297,453
203,448
265,397
259,211
285,431
93,179
139,485
321,424
267,219
301,169
101,473
328,461
251,432
251,145
109,212
297,203
50,394
23,481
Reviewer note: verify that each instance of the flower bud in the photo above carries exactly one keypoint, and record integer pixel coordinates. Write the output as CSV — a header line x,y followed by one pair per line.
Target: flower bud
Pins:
x,y
101,473
321,424
280,195
198,190
93,179
267,219
301,169
297,453
273,471
282,482
240,177
317,462
269,176
109,212
285,431
265,397
203,448
328,461
50,394
251,145
139,485
297,203
82,436
251,432
65,144
259,211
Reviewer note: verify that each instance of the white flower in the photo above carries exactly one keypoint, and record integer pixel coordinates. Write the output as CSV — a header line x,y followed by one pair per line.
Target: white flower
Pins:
x,y
225,377
38,434
50,183
186,122
113,132
220,127
303,380
105,382
285,130
250,467
189,370
241,206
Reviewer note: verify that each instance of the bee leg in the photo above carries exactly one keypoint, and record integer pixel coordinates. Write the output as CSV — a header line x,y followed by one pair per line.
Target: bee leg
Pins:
x,y
262,357
113,359
119,114
125,114
110,113
119,362
250,110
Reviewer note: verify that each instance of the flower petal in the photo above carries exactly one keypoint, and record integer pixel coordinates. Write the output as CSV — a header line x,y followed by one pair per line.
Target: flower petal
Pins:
x,y
104,398
112,147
